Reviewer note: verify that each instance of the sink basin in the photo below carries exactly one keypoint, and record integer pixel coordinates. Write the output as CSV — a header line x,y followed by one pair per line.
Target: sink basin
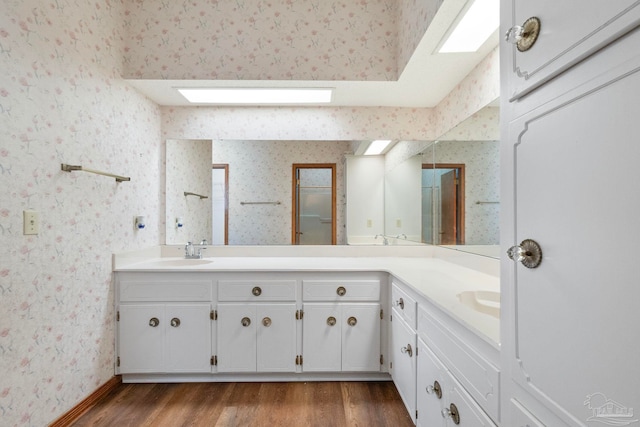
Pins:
x,y
487,302
183,262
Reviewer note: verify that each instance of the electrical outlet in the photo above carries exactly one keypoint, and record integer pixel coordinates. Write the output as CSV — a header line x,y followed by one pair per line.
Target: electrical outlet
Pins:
x,y
369,223
31,222
398,223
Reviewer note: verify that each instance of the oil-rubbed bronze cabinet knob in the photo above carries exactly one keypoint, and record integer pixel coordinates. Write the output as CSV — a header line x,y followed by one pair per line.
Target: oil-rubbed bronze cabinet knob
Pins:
x,y
153,322
266,321
245,321
400,303
408,350
256,291
435,389
175,322
341,291
331,321
352,321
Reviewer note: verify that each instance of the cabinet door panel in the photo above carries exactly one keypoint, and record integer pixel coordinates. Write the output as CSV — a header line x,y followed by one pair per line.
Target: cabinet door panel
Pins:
x,y
469,412
236,343
321,342
189,343
404,363
276,337
574,166
361,342
140,344
428,404
569,33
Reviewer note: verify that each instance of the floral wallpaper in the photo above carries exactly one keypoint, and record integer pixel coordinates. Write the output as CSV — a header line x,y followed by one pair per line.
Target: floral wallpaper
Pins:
x,y
262,171
188,169
62,100
415,18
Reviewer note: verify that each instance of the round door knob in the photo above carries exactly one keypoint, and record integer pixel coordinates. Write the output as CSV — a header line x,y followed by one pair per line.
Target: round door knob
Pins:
x,y
175,322
400,303
341,291
153,322
524,36
331,321
245,321
435,389
352,321
266,322
528,252
256,291
408,350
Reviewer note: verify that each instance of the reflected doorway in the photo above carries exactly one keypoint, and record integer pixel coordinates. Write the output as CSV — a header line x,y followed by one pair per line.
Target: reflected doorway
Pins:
x,y
443,193
220,204
314,204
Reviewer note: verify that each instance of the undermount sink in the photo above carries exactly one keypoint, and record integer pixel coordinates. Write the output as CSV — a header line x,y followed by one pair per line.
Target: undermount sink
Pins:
x,y
183,262
487,302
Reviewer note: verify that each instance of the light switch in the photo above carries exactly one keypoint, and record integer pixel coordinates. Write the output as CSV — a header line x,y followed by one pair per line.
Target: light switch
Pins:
x,y
31,222
398,223
369,223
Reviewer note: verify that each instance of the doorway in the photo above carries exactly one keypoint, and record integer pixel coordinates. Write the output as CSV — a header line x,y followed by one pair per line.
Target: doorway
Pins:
x,y
444,182
314,204
220,204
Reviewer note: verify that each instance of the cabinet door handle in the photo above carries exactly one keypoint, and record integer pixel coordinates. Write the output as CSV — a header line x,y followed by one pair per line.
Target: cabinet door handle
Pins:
x,y
341,291
153,322
408,350
524,36
352,321
266,321
528,252
175,322
435,389
400,303
245,321
256,291
451,412
331,321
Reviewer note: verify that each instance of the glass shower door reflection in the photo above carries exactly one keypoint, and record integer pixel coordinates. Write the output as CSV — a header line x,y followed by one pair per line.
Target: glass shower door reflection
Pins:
x,y
315,205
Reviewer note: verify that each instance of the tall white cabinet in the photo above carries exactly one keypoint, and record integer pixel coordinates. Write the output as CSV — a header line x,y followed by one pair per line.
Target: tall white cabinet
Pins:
x,y
570,155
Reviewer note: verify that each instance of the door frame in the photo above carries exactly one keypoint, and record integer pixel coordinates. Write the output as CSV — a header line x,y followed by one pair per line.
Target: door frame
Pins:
x,y
460,198
294,199
225,166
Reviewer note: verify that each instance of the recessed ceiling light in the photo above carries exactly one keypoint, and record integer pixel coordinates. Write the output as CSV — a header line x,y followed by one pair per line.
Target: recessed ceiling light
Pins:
x,y
377,147
257,95
475,27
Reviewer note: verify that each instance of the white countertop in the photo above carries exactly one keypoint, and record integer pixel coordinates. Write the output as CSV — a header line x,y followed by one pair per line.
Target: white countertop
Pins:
x,y
438,280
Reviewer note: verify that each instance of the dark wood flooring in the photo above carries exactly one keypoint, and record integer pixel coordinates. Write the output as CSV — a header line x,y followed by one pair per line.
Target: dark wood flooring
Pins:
x,y
300,404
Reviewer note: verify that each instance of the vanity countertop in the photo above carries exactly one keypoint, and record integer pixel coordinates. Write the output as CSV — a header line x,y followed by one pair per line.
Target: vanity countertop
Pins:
x,y
438,280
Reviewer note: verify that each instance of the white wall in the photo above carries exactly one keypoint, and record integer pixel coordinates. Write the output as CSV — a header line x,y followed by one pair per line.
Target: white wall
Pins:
x,y
365,196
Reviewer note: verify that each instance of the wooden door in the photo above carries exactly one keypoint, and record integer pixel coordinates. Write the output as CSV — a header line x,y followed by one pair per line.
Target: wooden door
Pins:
x,y
448,208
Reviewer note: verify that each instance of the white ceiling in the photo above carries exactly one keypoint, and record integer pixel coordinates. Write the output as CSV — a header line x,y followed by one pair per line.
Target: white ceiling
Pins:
x,y
426,80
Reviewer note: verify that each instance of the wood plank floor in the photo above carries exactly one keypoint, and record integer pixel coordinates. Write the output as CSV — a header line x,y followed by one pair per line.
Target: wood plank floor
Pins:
x,y
298,404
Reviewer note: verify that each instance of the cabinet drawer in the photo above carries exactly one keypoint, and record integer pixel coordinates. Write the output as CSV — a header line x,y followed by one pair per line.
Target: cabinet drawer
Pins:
x,y
341,290
257,290
154,290
404,305
477,375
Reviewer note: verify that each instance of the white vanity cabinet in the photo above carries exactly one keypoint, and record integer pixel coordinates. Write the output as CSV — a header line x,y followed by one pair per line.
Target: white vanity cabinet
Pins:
x,y
163,324
341,325
256,324
569,161
403,346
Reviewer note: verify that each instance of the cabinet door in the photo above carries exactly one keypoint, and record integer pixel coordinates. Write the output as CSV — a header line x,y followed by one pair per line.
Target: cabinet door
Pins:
x,y
276,337
431,384
140,343
188,343
237,337
360,337
571,173
322,338
570,32
403,372
469,413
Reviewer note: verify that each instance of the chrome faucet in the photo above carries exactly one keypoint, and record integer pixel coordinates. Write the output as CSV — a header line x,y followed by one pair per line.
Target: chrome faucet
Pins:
x,y
404,236
385,241
192,251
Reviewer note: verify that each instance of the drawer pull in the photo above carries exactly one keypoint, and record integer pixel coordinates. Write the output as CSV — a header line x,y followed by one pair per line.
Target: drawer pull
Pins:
x,y
435,389
245,321
266,321
408,350
524,36
331,321
256,291
451,412
153,322
352,321
400,303
175,322
341,291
